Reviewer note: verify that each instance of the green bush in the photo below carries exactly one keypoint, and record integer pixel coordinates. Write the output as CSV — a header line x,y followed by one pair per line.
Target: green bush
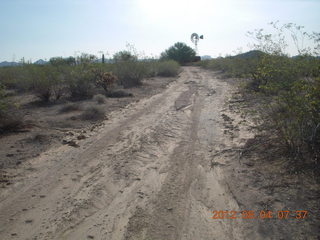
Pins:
x,y
151,67
80,82
47,82
291,86
168,68
16,77
179,52
297,116
130,73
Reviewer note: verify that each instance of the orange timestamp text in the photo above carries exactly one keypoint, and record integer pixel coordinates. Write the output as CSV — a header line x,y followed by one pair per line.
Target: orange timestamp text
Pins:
x,y
262,214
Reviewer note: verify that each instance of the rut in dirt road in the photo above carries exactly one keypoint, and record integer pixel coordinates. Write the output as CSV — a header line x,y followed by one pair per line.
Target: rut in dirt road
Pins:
x,y
145,174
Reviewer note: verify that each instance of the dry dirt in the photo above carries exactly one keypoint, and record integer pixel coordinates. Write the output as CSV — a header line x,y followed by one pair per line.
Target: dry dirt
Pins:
x,y
153,170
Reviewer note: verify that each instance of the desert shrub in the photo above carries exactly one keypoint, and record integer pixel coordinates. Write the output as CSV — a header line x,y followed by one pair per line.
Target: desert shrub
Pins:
x,y
93,113
47,82
124,56
119,94
294,85
99,98
297,116
104,79
179,52
16,77
10,119
240,66
85,59
151,67
168,68
290,85
8,77
10,122
70,107
130,73
59,61
3,100
80,82
274,73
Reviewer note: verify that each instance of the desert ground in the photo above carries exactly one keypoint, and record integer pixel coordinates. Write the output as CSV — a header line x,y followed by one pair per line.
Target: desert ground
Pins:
x,y
155,168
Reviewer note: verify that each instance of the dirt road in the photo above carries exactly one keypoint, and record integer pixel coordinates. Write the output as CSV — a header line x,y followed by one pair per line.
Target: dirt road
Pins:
x,y
146,173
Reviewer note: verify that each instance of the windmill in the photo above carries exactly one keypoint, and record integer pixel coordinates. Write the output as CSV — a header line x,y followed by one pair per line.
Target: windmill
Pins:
x,y
195,39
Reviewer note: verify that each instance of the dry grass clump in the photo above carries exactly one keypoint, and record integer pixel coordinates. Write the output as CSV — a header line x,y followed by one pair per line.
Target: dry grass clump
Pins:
x,y
93,113
10,122
70,107
119,94
99,98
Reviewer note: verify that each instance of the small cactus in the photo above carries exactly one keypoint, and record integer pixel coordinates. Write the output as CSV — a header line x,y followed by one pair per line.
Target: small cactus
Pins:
x,y
105,79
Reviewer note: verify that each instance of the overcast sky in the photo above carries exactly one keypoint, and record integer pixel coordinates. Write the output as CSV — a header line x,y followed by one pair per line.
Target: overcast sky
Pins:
x,y
37,29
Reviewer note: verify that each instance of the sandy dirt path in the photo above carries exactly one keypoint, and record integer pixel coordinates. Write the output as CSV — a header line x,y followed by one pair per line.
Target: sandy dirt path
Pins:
x,y
146,173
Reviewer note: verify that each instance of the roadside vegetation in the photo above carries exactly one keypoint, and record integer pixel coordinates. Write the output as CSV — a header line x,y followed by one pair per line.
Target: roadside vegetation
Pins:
x,y
78,78
287,87
179,52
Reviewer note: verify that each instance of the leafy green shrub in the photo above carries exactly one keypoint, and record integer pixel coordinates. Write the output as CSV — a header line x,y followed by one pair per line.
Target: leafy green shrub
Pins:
x,y
297,116
93,113
241,66
179,52
168,68
274,73
291,86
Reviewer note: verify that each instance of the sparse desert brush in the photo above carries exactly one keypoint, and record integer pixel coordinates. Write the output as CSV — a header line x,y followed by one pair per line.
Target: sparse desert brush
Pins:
x,y
130,73
93,113
168,68
288,86
10,122
70,107
99,98
129,70
10,119
3,100
119,94
80,82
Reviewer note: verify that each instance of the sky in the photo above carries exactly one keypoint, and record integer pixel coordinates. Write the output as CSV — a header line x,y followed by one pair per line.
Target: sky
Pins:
x,y
41,29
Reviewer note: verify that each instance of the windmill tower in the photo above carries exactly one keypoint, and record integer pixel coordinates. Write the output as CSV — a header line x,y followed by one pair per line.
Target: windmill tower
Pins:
x,y
195,39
